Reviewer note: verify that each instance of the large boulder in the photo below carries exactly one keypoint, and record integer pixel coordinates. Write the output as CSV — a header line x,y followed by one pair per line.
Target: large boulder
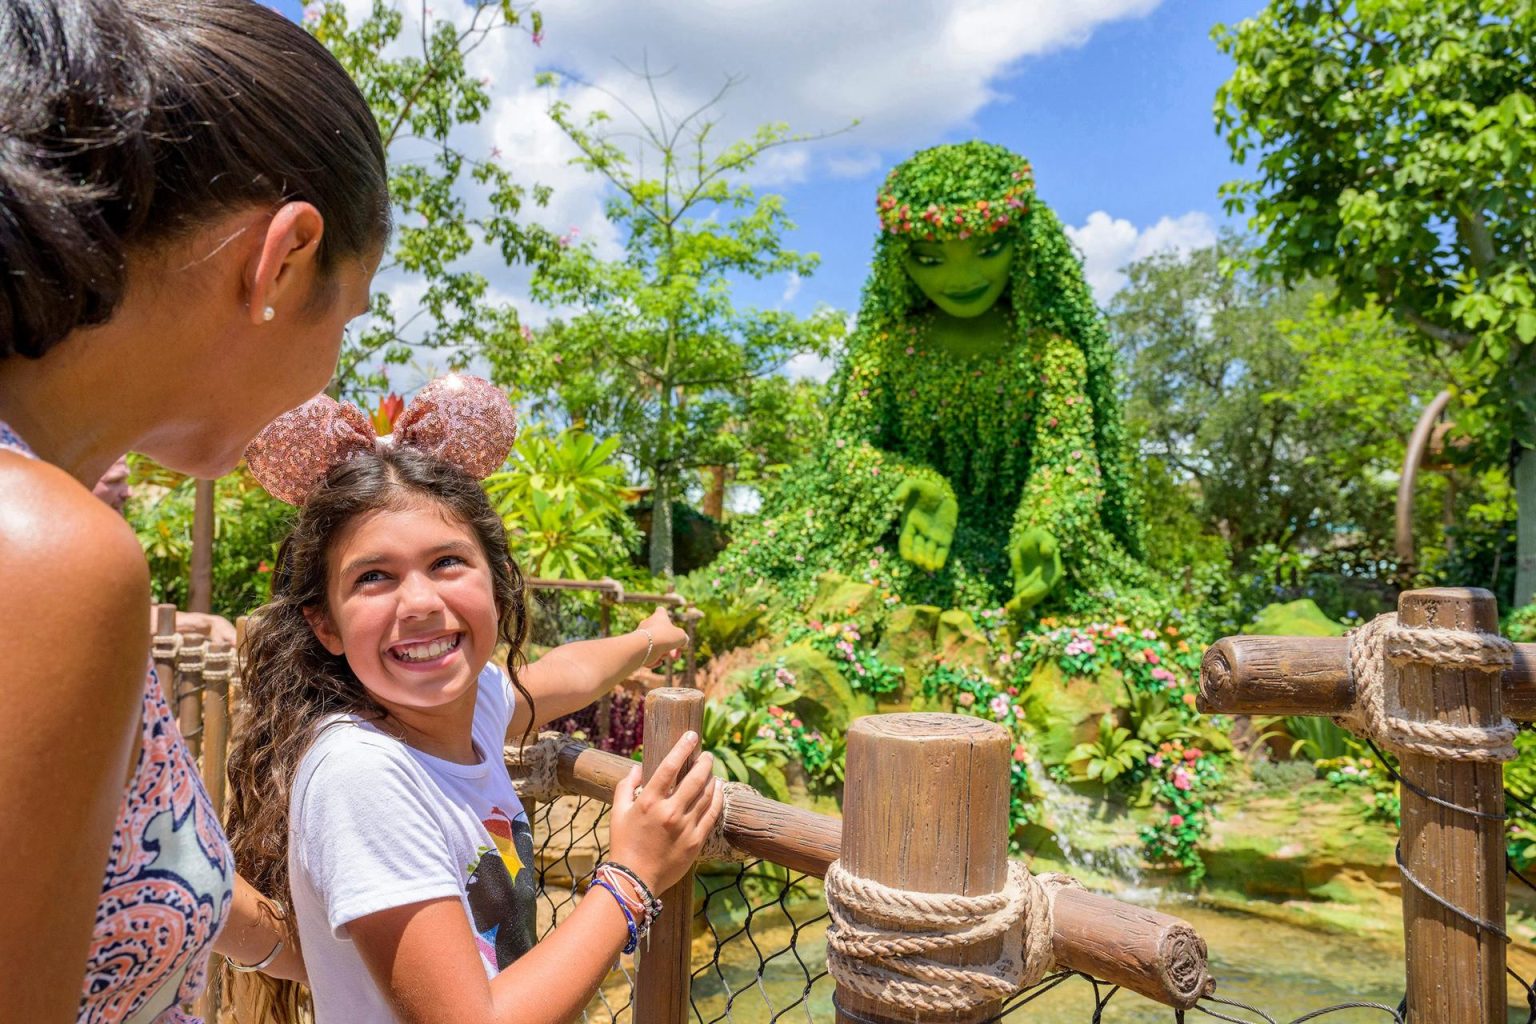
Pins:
x,y
961,641
1065,711
827,702
840,599
908,641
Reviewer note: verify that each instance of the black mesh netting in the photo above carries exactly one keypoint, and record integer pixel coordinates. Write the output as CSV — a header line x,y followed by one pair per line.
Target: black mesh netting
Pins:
x,y
759,951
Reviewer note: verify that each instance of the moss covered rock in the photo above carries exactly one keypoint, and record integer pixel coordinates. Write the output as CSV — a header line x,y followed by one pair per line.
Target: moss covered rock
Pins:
x,y
908,641
827,702
1065,711
960,641
840,599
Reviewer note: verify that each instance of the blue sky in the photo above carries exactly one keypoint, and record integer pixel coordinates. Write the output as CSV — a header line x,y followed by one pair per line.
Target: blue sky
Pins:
x,y
1109,99
1121,124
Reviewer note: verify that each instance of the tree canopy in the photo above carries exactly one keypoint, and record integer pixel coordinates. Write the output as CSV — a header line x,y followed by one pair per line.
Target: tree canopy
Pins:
x,y
660,351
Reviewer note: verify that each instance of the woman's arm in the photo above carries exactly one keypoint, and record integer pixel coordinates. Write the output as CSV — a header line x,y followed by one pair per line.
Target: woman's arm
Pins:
x,y
75,652
254,929
424,958
573,675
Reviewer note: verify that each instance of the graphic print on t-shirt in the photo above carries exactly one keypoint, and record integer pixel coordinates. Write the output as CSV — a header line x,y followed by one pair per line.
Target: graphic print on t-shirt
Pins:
x,y
501,890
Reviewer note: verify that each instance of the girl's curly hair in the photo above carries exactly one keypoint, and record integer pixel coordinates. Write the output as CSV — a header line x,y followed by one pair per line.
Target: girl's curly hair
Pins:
x,y
292,683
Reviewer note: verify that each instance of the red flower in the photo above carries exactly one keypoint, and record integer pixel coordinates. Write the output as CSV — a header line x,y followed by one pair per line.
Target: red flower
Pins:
x,y
389,410
263,567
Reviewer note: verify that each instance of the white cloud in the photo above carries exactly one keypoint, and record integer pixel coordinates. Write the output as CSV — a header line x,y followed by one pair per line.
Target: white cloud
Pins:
x,y
809,366
909,71
791,288
1110,243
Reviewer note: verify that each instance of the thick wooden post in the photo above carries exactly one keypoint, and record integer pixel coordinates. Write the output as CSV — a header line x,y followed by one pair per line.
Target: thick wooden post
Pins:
x,y
661,991
188,691
925,808
691,617
1455,968
163,648
218,666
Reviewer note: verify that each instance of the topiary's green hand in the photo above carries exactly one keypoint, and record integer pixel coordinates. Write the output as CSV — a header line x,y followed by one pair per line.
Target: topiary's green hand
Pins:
x,y
1036,560
929,513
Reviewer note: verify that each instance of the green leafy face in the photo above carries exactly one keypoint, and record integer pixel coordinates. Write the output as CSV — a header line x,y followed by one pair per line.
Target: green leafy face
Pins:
x,y
963,277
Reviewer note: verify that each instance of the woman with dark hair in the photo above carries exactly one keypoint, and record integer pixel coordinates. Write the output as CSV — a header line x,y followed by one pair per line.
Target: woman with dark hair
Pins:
x,y
193,202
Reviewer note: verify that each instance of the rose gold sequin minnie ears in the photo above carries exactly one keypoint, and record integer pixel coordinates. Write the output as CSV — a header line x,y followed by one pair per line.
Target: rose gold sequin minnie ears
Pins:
x,y
463,420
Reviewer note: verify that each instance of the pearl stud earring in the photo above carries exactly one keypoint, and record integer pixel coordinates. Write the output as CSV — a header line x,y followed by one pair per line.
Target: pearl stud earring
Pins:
x,y
268,313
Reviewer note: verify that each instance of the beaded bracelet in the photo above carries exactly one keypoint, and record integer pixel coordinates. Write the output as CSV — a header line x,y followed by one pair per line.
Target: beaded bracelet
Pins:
x,y
652,904
629,919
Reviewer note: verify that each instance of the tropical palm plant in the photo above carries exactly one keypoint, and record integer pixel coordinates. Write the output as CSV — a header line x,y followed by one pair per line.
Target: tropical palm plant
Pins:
x,y
563,500
1113,754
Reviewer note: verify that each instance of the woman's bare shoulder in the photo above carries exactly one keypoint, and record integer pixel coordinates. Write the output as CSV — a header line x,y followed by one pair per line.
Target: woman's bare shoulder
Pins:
x,y
66,555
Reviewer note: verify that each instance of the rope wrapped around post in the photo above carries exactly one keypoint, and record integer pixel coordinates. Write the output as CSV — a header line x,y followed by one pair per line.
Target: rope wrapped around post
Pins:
x,y
536,775
164,648
716,846
1378,710
539,779
893,964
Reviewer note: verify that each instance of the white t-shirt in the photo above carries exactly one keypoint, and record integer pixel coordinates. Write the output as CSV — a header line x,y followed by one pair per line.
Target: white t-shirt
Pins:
x,y
375,824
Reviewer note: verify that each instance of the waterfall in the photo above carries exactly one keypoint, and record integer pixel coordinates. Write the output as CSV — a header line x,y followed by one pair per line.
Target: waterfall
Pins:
x,y
1075,818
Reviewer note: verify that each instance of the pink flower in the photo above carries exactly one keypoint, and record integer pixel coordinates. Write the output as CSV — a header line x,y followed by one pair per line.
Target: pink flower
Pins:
x,y
966,699
795,722
1021,753
1192,754
1152,658
1156,760
1181,779
998,706
1175,820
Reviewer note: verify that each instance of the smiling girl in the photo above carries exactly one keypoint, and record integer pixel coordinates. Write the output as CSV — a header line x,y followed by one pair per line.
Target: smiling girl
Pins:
x,y
370,793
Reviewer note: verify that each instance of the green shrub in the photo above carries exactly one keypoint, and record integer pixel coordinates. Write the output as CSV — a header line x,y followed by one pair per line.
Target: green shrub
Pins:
x,y
1283,776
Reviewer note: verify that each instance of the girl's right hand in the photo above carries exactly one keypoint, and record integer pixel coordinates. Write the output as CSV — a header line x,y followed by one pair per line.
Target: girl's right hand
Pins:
x,y
658,830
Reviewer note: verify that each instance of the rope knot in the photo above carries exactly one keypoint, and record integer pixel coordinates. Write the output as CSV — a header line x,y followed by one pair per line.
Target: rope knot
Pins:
x,y
895,964
535,768
1378,711
716,846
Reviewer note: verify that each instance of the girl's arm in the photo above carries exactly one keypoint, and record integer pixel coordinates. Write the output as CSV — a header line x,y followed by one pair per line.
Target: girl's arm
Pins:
x,y
255,926
573,675
423,956
75,652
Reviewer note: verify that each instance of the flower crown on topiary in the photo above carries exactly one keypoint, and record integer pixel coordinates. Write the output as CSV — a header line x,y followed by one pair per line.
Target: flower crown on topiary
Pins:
x,y
951,192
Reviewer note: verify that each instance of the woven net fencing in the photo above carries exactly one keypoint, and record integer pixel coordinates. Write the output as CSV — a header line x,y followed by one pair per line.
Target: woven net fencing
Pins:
x,y
759,950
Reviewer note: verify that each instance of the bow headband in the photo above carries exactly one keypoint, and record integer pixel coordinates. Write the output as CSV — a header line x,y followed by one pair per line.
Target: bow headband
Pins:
x,y
463,420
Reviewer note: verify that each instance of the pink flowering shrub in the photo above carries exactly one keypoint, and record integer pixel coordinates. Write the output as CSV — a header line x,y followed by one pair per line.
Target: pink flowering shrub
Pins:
x,y
846,644
1182,778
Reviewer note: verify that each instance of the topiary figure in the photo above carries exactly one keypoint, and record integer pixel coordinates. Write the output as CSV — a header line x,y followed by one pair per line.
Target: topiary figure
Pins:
x,y
976,428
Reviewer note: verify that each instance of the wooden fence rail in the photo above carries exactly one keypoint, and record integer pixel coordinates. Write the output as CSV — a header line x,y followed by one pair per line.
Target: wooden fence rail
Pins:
x,y
1451,854
1154,954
